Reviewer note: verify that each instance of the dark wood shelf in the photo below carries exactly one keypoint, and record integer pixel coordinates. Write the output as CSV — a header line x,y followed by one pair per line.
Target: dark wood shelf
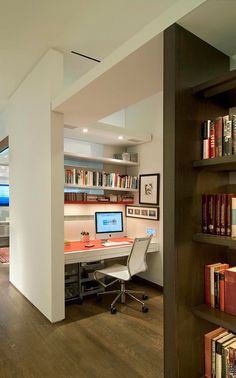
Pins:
x,y
227,241
224,163
97,203
215,316
222,88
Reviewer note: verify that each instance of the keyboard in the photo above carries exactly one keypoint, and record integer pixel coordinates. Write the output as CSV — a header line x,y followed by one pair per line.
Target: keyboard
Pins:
x,y
111,244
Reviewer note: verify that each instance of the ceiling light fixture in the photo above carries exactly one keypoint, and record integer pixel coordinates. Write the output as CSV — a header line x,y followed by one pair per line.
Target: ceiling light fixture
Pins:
x,y
85,130
120,137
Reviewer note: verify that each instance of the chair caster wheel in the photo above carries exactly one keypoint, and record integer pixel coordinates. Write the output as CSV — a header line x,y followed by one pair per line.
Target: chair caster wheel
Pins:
x,y
144,309
145,297
80,301
113,310
99,298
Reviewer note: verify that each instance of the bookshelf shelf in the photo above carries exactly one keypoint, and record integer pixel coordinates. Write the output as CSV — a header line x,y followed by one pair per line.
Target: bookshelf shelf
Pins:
x,y
215,239
222,88
224,163
100,187
217,317
98,203
104,160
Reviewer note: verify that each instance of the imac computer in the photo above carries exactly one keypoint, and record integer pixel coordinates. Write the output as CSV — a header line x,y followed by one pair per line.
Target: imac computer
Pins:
x,y
109,224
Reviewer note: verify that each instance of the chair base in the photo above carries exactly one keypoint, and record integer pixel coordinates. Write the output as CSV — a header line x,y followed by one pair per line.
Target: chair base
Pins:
x,y
121,294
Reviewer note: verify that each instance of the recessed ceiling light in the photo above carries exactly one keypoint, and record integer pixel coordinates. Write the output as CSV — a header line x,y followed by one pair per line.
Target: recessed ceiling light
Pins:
x,y
120,137
85,130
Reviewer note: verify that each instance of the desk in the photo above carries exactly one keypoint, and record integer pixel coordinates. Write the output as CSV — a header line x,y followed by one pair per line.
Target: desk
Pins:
x,y
76,252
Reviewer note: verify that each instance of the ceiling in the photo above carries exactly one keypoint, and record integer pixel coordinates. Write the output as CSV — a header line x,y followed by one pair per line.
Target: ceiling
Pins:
x,y
28,28
214,22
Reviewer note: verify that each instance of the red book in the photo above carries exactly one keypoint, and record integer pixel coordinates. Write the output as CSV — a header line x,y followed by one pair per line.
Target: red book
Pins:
x,y
212,140
207,281
217,214
222,289
230,291
207,341
211,206
218,131
224,198
204,213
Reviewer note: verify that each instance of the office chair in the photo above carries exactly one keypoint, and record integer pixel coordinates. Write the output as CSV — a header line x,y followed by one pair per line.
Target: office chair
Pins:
x,y
136,263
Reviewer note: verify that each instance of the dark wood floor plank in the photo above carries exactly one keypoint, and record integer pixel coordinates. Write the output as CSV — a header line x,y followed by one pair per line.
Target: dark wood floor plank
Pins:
x,y
89,343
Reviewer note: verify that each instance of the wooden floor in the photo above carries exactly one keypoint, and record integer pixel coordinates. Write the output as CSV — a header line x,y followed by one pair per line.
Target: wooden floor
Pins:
x,y
89,343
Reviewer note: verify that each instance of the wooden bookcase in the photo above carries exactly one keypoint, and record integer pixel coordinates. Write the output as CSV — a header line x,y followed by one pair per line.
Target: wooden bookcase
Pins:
x,y
189,62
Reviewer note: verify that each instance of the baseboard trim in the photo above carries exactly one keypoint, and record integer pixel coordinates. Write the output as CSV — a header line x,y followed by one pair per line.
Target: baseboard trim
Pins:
x,y
150,283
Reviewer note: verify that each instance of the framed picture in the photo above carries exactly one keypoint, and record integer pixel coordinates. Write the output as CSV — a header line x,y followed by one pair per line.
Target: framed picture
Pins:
x,y
151,213
149,188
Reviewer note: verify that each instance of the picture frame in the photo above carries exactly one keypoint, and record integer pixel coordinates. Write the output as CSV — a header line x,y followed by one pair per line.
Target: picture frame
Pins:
x,y
141,212
149,189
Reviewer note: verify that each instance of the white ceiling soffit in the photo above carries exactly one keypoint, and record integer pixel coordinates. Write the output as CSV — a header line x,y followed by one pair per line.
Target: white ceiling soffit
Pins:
x,y
107,134
214,22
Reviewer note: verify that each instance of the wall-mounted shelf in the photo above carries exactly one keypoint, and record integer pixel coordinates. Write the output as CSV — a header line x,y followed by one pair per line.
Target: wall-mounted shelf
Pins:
x,y
224,163
226,241
97,203
222,88
100,187
104,160
220,318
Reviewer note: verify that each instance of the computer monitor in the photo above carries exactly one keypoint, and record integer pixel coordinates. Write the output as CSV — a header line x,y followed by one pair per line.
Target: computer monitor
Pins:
x,y
109,224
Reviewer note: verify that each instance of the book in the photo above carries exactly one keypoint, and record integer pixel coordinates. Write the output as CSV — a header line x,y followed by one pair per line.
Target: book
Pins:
x,y
213,351
207,343
224,341
207,281
218,136
231,363
211,206
227,136
225,357
206,139
204,213
223,214
212,140
233,118
228,220
222,289
213,284
233,217
230,291
218,214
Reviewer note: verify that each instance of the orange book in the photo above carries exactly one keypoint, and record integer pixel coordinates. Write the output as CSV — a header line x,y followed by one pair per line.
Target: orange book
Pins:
x,y
207,340
222,289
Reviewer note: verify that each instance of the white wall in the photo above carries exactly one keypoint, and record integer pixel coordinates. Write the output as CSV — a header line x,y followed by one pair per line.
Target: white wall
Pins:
x,y
147,116
36,188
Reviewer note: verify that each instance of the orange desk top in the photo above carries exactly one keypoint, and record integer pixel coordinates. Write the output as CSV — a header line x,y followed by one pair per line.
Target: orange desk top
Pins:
x,y
81,246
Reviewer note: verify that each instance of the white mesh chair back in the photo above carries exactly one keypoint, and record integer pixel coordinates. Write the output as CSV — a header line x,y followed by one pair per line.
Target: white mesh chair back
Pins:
x,y
137,259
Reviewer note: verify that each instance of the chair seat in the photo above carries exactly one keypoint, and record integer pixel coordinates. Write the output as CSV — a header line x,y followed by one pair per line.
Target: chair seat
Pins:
x,y
117,270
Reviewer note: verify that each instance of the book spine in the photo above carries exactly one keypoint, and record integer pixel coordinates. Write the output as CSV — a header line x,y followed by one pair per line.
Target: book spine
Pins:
x,y
233,217
222,290
206,139
223,215
218,131
233,117
212,285
216,290
213,359
211,200
204,213
207,285
230,290
212,140
217,214
227,136
228,220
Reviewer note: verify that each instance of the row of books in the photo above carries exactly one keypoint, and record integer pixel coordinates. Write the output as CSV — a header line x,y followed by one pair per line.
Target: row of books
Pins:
x,y
220,354
85,197
220,287
219,214
83,177
219,137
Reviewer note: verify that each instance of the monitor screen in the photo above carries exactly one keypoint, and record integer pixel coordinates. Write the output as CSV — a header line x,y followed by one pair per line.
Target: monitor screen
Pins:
x,y
4,195
109,223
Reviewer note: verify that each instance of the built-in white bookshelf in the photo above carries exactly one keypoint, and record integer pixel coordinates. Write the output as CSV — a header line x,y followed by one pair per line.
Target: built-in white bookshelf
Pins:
x,y
95,159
